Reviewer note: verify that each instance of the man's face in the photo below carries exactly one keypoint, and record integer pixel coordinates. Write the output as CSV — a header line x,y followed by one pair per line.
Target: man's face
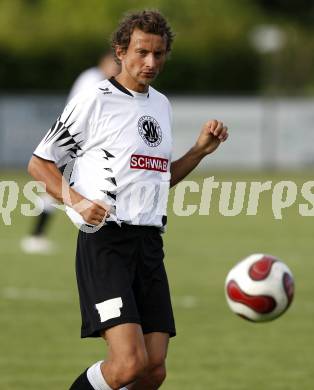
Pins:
x,y
144,58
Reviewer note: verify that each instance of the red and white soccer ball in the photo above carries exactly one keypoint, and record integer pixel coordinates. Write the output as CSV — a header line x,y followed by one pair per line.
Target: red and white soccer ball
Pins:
x,y
259,288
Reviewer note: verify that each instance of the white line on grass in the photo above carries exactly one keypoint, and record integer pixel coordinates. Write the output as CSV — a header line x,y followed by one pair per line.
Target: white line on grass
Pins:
x,y
185,301
35,294
40,295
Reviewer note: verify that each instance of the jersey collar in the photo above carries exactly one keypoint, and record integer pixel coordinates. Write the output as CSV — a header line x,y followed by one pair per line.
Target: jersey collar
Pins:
x,y
129,92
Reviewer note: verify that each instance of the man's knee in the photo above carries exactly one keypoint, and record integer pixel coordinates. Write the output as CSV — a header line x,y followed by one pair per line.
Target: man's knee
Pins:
x,y
128,369
157,374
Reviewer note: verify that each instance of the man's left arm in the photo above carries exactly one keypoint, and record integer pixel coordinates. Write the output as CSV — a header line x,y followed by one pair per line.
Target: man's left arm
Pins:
x,y
212,134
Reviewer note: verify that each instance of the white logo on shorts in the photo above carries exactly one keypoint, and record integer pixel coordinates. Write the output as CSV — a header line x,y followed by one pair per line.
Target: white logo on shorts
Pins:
x,y
109,309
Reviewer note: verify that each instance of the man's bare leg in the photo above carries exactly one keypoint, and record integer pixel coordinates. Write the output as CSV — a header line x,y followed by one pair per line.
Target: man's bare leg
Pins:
x,y
127,357
156,346
127,360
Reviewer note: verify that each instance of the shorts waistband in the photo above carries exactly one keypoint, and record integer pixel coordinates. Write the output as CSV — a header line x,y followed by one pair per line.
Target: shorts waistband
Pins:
x,y
126,226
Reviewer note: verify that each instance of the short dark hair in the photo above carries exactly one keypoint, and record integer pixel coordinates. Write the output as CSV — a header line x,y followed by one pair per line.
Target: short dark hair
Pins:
x,y
149,21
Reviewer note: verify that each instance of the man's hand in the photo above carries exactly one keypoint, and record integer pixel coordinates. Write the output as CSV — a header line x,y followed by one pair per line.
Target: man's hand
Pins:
x,y
212,134
93,212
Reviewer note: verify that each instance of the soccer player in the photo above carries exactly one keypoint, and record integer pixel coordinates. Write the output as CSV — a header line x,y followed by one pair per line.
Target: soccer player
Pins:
x,y
37,242
120,136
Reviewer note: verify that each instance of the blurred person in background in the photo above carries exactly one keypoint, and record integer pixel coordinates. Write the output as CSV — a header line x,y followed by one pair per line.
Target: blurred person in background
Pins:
x,y
37,242
107,67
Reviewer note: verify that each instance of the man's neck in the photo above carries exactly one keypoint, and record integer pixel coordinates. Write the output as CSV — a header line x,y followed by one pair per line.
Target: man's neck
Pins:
x,y
131,84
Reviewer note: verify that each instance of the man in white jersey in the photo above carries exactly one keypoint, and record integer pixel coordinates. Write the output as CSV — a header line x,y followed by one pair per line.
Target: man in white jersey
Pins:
x,y
119,135
37,242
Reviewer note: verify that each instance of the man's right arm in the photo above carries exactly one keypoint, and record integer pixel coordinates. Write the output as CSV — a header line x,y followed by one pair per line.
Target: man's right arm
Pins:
x,y
93,212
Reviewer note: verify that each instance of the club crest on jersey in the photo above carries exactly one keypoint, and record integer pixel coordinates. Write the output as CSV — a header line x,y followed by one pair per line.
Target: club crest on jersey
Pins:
x,y
149,130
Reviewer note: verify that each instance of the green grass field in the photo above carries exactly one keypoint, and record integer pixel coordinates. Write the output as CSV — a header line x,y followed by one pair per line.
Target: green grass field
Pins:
x,y
214,349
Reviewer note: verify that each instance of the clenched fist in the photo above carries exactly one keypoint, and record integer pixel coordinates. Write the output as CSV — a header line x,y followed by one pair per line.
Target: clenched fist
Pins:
x,y
212,134
93,212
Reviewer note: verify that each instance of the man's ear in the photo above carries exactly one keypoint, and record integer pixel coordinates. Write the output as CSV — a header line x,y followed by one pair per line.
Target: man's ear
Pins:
x,y
120,52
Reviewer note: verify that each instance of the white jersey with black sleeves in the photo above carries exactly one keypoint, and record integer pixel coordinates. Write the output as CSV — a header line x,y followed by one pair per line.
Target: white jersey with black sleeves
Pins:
x,y
121,144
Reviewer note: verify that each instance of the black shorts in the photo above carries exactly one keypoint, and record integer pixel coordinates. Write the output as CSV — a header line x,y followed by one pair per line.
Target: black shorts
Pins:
x,y
122,279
